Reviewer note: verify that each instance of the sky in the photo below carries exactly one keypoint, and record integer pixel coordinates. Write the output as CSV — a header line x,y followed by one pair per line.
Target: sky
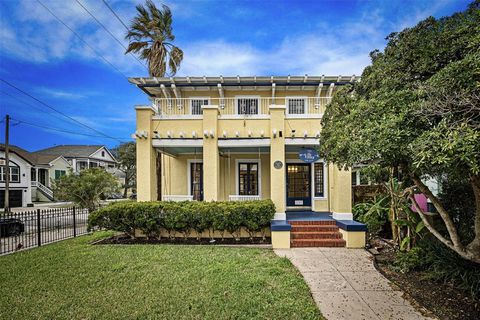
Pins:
x,y
85,77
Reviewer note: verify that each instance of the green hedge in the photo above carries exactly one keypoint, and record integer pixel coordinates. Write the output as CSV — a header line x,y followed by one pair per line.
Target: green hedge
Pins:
x,y
185,217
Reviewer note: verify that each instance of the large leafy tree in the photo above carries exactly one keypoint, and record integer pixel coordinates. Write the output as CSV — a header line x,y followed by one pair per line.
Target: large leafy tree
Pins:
x,y
86,188
127,157
151,36
416,112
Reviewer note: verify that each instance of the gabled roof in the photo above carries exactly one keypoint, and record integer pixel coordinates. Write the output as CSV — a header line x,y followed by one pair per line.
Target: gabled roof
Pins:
x,y
70,151
22,153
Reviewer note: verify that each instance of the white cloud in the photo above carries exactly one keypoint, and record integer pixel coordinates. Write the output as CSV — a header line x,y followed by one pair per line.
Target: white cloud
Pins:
x,y
340,49
61,94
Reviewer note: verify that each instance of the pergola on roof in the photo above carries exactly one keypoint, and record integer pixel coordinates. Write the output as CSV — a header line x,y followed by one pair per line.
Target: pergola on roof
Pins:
x,y
154,86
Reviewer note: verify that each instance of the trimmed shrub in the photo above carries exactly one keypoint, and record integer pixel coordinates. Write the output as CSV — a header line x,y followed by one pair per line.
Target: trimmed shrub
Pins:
x,y
184,217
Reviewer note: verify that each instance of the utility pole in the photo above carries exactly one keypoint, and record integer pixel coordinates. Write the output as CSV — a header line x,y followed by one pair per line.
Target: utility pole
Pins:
x,y
6,169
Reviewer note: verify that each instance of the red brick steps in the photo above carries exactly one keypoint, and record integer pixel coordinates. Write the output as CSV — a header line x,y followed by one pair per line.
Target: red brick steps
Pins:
x,y
317,235
323,233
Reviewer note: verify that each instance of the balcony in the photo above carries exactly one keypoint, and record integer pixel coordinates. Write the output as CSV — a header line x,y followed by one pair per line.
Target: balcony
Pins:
x,y
240,107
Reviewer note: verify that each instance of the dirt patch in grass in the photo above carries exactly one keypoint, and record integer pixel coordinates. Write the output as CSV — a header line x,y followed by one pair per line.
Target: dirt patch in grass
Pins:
x,y
443,300
123,239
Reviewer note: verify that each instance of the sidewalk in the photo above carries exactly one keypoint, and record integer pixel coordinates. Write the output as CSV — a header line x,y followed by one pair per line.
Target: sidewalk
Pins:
x,y
346,285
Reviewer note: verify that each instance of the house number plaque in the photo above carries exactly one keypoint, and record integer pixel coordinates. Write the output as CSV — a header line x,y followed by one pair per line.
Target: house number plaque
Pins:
x,y
278,164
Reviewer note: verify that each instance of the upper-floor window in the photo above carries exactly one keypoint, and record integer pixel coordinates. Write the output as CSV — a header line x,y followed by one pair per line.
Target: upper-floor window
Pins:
x,y
59,174
247,105
296,105
196,105
103,153
82,165
14,174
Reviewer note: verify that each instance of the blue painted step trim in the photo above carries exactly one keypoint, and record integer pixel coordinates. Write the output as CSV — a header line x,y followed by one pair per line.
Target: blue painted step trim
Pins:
x,y
350,225
280,225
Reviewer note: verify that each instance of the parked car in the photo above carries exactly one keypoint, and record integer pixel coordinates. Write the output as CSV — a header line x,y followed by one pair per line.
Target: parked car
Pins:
x,y
115,195
11,227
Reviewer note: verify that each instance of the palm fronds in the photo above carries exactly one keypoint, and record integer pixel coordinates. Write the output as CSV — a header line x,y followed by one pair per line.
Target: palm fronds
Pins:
x,y
151,37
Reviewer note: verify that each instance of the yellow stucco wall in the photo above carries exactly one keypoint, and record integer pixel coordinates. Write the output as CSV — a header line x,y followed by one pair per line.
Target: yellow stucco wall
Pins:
x,y
354,239
220,167
146,158
281,239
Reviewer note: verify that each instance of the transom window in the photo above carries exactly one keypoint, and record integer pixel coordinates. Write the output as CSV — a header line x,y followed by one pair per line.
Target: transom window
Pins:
x,y
14,174
247,105
248,179
319,179
296,105
196,105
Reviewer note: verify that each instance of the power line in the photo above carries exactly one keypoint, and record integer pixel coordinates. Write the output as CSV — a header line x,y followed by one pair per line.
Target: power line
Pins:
x,y
81,39
31,105
108,31
55,129
115,14
60,112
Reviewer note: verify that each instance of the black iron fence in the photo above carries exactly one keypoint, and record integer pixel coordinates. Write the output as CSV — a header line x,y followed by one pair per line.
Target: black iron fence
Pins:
x,y
36,227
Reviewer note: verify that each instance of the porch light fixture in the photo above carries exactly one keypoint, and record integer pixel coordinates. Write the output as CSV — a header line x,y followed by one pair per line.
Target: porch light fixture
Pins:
x,y
237,134
262,133
317,135
274,133
211,134
205,133
194,134
224,133
169,134
182,134
305,134
249,133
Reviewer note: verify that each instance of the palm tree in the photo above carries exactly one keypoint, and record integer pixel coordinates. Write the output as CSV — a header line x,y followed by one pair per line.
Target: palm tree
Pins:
x,y
151,36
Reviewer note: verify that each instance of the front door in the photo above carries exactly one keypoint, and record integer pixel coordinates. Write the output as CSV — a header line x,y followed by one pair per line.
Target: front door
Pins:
x,y
298,185
196,181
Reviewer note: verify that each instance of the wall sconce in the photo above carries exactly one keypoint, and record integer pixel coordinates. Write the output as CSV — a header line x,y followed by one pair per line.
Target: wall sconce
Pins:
x,y
211,134
305,134
224,133
205,133
182,134
237,134
249,133
274,133
194,134
262,133
317,135
169,134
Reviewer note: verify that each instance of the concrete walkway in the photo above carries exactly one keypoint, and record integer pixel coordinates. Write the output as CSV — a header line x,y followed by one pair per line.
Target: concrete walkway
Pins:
x,y
346,285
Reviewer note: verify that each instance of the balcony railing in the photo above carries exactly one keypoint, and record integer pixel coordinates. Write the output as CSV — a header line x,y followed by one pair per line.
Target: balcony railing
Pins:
x,y
240,106
177,198
243,198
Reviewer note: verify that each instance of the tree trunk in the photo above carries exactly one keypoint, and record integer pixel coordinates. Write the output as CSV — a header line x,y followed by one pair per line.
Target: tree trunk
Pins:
x,y
470,252
474,246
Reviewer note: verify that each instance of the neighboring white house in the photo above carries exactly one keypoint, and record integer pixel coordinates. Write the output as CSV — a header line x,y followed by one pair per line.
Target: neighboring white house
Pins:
x,y
32,173
21,163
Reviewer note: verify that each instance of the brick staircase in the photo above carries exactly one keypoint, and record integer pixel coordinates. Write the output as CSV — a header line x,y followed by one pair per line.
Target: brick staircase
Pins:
x,y
322,233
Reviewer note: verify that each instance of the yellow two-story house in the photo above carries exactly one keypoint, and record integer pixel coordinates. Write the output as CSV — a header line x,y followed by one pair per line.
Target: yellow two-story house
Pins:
x,y
240,138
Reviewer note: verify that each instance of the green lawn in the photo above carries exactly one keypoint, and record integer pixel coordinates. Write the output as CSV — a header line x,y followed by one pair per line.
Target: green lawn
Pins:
x,y
75,280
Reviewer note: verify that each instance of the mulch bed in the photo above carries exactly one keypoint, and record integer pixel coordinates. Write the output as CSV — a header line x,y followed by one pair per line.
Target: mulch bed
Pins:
x,y
443,300
122,239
